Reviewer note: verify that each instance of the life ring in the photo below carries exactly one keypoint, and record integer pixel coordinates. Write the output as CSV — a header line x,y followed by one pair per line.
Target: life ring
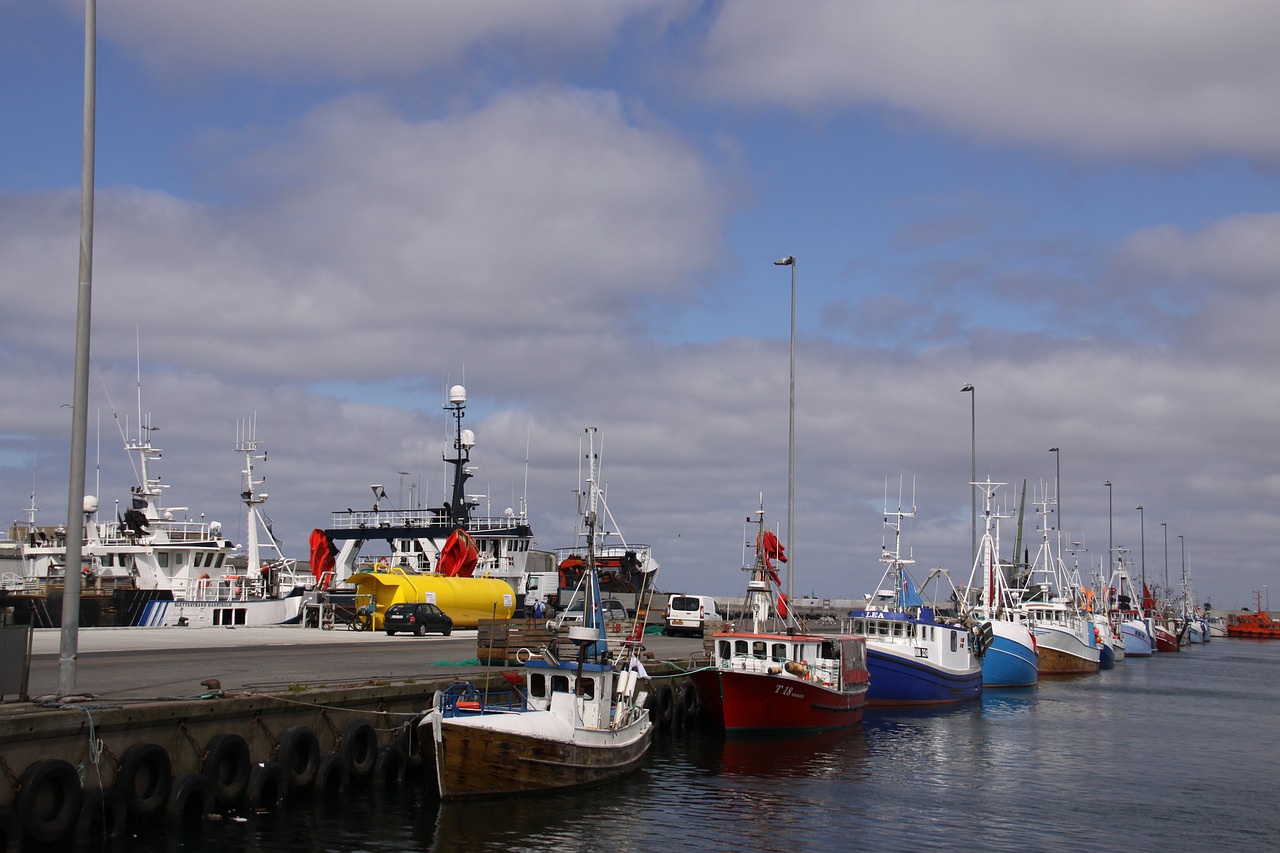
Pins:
x,y
10,831
227,765
390,766
299,755
48,800
268,787
333,776
193,798
523,655
103,817
381,565
360,746
145,780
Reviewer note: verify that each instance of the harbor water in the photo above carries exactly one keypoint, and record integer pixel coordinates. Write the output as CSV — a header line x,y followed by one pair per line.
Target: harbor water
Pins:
x,y
1167,753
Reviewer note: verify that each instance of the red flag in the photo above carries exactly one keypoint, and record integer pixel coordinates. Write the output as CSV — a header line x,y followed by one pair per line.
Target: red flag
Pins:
x,y
782,605
771,548
459,555
1147,601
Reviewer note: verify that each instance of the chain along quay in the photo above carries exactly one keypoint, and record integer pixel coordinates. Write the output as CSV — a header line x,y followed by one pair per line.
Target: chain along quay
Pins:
x,y
183,731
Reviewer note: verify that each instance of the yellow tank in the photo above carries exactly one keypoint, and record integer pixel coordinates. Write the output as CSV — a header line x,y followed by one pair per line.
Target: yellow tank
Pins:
x,y
466,600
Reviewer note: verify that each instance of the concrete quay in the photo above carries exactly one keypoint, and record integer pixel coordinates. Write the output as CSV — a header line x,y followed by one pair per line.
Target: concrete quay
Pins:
x,y
173,723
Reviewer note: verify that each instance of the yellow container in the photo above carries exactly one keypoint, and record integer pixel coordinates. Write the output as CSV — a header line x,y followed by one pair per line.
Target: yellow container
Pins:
x,y
466,600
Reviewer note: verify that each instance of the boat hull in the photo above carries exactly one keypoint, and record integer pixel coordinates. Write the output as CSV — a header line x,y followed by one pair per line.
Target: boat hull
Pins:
x,y
1012,659
901,681
747,701
1138,642
1063,652
478,761
1166,640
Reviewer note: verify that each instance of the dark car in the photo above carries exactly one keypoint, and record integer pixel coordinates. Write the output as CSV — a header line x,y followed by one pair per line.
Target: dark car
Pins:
x,y
419,618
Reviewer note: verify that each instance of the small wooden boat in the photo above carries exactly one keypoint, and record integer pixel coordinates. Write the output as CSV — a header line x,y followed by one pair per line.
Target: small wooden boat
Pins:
x,y
567,723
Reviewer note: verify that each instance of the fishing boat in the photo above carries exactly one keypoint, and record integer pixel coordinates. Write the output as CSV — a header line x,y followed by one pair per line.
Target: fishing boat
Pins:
x,y
914,658
152,568
1065,636
1011,659
1258,625
1124,609
473,566
572,720
768,672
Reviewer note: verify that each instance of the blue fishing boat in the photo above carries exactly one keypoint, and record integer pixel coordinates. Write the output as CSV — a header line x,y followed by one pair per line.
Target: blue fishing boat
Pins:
x,y
914,657
1011,659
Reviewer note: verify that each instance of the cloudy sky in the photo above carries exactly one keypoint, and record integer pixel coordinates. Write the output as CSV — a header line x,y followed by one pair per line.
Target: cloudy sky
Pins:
x,y
326,213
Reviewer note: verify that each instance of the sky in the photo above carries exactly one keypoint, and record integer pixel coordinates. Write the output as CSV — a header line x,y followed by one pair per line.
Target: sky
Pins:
x,y
323,215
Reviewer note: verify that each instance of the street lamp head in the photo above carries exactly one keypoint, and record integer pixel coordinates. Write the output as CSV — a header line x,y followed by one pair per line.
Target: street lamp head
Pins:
x,y
1138,507
1107,484
788,261
1053,450
968,387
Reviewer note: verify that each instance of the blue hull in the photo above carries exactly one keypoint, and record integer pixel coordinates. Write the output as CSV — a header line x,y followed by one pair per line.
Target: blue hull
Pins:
x,y
1009,664
898,681
1106,657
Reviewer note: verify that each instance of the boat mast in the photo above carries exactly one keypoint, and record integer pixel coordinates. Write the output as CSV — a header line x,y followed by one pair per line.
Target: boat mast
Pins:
x,y
463,441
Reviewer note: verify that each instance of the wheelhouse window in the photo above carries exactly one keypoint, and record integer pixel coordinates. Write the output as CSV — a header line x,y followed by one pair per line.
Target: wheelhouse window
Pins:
x,y
538,685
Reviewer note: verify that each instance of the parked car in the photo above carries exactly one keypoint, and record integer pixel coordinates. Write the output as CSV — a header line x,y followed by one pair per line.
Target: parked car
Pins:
x,y
689,613
419,618
611,608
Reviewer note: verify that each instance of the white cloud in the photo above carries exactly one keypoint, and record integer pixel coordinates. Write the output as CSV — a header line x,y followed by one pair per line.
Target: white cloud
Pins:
x,y
1148,77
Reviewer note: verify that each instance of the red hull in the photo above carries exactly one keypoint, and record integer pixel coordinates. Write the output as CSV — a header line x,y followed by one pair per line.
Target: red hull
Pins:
x,y
1166,640
741,701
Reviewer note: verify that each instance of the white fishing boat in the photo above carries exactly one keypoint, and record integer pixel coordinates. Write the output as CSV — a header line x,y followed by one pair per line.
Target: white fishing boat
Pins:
x,y
1065,635
154,565
571,721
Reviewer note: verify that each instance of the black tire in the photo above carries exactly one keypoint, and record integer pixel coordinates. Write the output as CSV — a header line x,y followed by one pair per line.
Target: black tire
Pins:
x,y
390,633
227,764
10,831
419,630
446,632
268,787
333,777
193,799
145,780
360,746
104,816
299,755
692,703
664,704
390,767
678,715
48,801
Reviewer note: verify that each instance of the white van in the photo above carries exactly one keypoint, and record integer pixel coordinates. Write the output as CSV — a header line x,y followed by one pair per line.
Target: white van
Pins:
x,y
688,614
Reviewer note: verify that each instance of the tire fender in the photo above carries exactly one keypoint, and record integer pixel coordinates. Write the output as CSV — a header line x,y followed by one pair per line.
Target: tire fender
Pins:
x,y
299,755
268,786
227,765
192,800
145,780
360,746
104,816
48,801
333,776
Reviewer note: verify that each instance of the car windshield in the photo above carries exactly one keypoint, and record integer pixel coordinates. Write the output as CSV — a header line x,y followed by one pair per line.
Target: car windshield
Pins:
x,y
684,603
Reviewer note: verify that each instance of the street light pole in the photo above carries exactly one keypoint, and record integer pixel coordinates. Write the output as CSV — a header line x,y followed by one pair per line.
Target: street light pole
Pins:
x,y
1142,525
790,261
1165,525
1057,481
1110,544
973,471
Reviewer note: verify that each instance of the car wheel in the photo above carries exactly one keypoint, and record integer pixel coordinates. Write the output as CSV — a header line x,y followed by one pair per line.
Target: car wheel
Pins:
x,y
390,633
419,630
446,632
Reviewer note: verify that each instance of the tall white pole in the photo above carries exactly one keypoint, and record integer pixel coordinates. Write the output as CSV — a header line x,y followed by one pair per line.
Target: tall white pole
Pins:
x,y
70,638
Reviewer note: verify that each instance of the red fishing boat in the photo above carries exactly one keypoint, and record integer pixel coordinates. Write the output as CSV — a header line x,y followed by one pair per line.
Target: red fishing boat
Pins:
x,y
1258,625
770,673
